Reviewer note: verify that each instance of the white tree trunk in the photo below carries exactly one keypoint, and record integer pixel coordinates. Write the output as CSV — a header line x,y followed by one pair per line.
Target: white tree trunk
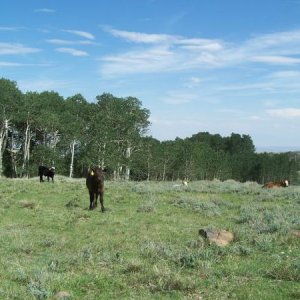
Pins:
x,y
72,146
26,154
127,169
3,141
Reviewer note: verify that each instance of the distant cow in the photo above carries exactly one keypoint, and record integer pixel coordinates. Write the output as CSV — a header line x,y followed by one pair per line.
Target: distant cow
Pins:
x,y
271,184
95,185
46,171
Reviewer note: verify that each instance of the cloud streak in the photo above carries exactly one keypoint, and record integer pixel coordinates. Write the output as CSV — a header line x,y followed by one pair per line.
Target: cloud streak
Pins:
x,y
16,49
5,64
284,112
68,42
181,53
44,10
72,51
80,33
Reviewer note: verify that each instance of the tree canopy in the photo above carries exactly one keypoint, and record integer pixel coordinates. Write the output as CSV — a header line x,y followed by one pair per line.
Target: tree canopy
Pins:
x,y
73,134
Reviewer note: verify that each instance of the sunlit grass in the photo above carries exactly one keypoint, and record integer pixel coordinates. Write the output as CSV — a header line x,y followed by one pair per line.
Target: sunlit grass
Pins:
x,y
147,245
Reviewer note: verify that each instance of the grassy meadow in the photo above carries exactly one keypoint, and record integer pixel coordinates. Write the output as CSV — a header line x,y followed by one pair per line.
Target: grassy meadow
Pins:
x,y
147,246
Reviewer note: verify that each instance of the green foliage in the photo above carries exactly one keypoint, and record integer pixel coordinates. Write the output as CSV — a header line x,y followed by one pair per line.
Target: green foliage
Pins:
x,y
73,134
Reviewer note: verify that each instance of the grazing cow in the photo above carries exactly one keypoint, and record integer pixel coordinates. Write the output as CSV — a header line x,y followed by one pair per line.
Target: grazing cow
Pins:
x,y
271,184
95,185
46,171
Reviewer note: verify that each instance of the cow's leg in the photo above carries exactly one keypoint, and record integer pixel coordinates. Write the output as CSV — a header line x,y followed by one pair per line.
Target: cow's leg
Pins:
x,y
102,202
96,200
41,178
91,200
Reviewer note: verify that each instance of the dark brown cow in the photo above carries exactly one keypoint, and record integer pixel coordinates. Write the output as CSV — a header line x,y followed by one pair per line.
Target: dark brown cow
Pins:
x,y
46,171
271,184
95,185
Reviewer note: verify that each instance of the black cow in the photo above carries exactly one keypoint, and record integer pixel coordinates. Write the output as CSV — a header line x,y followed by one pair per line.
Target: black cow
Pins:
x,y
46,171
95,185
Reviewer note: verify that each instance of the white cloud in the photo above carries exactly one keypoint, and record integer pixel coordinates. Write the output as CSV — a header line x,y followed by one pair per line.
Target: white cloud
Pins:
x,y
276,59
44,10
200,44
72,51
9,64
66,42
12,48
195,53
286,74
255,118
275,40
80,33
15,64
9,28
193,82
139,37
151,60
284,112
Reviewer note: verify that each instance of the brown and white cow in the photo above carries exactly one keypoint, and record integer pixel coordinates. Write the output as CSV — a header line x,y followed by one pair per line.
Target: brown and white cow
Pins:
x,y
281,183
95,185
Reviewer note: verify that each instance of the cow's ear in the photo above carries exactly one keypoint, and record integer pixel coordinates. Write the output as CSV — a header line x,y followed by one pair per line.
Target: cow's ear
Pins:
x,y
92,173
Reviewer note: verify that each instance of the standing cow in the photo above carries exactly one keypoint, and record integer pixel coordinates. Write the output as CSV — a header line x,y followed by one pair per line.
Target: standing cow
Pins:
x,y
46,171
95,185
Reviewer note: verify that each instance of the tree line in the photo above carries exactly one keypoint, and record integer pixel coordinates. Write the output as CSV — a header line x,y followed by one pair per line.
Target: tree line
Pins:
x,y
73,134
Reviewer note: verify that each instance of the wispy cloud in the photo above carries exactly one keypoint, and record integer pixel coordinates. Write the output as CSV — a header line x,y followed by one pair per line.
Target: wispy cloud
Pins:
x,y
15,49
148,61
10,28
72,51
276,60
44,10
139,37
67,42
16,64
193,82
284,112
286,74
9,64
80,33
282,48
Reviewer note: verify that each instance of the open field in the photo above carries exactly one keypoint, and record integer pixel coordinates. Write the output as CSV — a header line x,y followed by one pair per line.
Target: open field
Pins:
x,y
147,245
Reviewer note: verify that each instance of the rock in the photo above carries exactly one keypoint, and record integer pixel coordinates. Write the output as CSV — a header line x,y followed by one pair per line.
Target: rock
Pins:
x,y
62,295
219,237
296,233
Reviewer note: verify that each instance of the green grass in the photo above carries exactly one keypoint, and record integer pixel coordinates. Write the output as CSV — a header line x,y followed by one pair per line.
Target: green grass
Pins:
x,y
147,245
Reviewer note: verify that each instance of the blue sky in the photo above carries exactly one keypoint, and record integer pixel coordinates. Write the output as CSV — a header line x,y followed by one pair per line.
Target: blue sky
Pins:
x,y
220,66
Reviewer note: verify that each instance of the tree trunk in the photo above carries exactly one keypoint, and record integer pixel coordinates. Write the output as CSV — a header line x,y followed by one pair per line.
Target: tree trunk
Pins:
x,y
164,172
72,146
127,168
3,141
26,154
103,156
